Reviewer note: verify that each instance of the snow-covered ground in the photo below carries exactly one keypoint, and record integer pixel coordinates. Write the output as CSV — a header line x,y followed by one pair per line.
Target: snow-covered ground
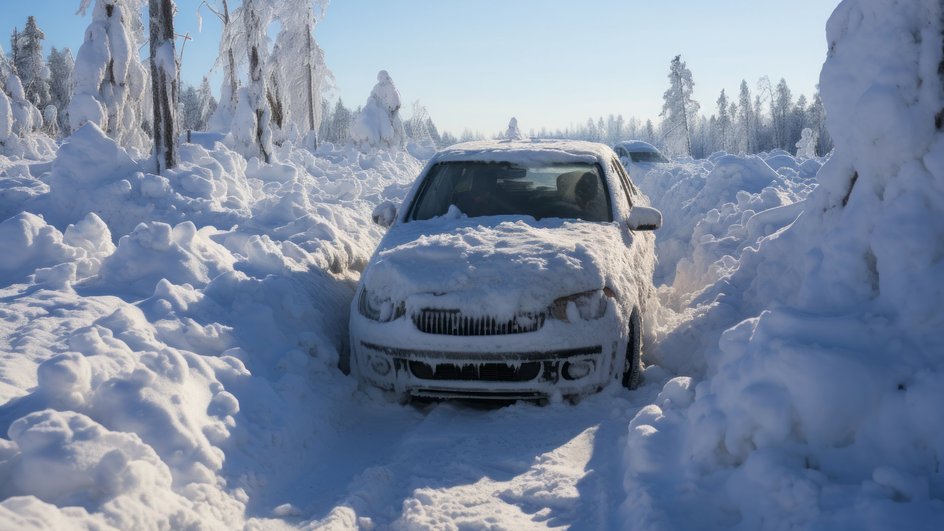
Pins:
x,y
168,344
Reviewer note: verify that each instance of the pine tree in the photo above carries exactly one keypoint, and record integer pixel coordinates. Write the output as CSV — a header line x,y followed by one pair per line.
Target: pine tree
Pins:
x,y
746,122
679,108
341,130
650,132
206,105
189,109
781,105
723,123
30,64
61,65
816,116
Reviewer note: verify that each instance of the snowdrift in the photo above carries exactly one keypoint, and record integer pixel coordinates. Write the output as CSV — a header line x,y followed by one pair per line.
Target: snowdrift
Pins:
x,y
819,408
152,325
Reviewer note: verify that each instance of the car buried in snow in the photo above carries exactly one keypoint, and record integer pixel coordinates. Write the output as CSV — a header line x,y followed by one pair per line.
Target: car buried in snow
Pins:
x,y
515,270
639,152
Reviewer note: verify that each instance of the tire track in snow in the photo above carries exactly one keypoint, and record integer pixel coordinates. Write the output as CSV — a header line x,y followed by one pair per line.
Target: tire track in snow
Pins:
x,y
452,465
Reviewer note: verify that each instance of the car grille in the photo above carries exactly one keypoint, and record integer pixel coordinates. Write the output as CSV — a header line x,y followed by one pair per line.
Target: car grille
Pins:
x,y
487,372
453,323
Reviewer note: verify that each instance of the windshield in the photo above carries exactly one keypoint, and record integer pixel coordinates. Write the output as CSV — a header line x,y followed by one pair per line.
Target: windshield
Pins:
x,y
570,191
647,156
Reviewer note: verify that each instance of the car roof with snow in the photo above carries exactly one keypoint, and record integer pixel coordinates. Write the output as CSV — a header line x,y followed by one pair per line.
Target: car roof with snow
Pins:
x,y
637,146
528,151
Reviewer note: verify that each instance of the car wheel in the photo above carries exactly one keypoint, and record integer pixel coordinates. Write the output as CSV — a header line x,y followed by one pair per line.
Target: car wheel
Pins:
x,y
632,370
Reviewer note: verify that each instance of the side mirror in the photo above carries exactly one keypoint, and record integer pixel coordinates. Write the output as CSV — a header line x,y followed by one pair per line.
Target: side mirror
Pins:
x,y
384,214
644,218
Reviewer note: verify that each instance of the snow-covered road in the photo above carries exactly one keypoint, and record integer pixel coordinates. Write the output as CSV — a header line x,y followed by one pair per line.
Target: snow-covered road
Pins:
x,y
519,466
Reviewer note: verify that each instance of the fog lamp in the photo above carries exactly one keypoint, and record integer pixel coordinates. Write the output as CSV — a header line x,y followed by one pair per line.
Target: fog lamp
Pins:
x,y
380,366
575,370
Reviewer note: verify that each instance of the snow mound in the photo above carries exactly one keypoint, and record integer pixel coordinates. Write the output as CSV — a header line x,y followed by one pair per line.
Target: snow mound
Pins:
x,y
819,407
152,324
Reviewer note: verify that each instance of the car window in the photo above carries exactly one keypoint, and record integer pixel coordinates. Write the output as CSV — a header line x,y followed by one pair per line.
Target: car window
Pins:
x,y
628,187
569,191
647,156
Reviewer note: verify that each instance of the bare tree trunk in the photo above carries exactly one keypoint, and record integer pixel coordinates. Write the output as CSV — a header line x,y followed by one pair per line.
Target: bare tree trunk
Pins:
x,y
257,82
163,82
311,73
688,133
231,58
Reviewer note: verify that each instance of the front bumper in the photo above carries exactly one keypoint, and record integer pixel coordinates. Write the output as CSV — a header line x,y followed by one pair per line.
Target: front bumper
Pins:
x,y
566,358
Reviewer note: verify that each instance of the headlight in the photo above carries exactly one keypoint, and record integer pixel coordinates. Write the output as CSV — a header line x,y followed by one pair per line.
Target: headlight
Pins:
x,y
379,309
585,306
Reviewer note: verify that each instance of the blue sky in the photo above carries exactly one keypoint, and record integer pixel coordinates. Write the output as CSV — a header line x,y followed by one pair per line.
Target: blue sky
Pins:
x,y
549,63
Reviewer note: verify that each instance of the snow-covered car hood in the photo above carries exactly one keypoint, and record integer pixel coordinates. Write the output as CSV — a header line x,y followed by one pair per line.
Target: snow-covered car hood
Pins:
x,y
498,265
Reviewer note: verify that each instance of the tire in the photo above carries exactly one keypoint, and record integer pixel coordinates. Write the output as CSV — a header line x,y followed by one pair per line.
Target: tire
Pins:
x,y
632,370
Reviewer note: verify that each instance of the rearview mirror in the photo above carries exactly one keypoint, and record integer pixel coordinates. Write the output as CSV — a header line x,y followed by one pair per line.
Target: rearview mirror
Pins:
x,y
644,218
384,214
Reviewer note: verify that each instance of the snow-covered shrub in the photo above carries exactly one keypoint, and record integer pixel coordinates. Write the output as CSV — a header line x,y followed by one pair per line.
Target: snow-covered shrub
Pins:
x,y
378,124
26,117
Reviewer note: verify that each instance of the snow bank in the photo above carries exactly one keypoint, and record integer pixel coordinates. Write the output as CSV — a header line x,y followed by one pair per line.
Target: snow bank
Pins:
x,y
162,334
820,405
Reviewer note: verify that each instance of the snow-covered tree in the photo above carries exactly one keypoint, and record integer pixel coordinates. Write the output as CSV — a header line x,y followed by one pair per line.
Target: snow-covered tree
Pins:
x,y
25,117
679,108
341,120
188,108
61,65
649,132
780,109
417,127
51,121
30,64
206,105
297,65
512,133
109,76
222,117
762,134
723,123
747,141
798,120
251,126
816,117
163,83
806,146
378,123
6,118
433,132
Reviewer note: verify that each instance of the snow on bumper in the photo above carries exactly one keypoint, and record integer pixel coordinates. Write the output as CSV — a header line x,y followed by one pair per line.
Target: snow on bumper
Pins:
x,y
570,358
